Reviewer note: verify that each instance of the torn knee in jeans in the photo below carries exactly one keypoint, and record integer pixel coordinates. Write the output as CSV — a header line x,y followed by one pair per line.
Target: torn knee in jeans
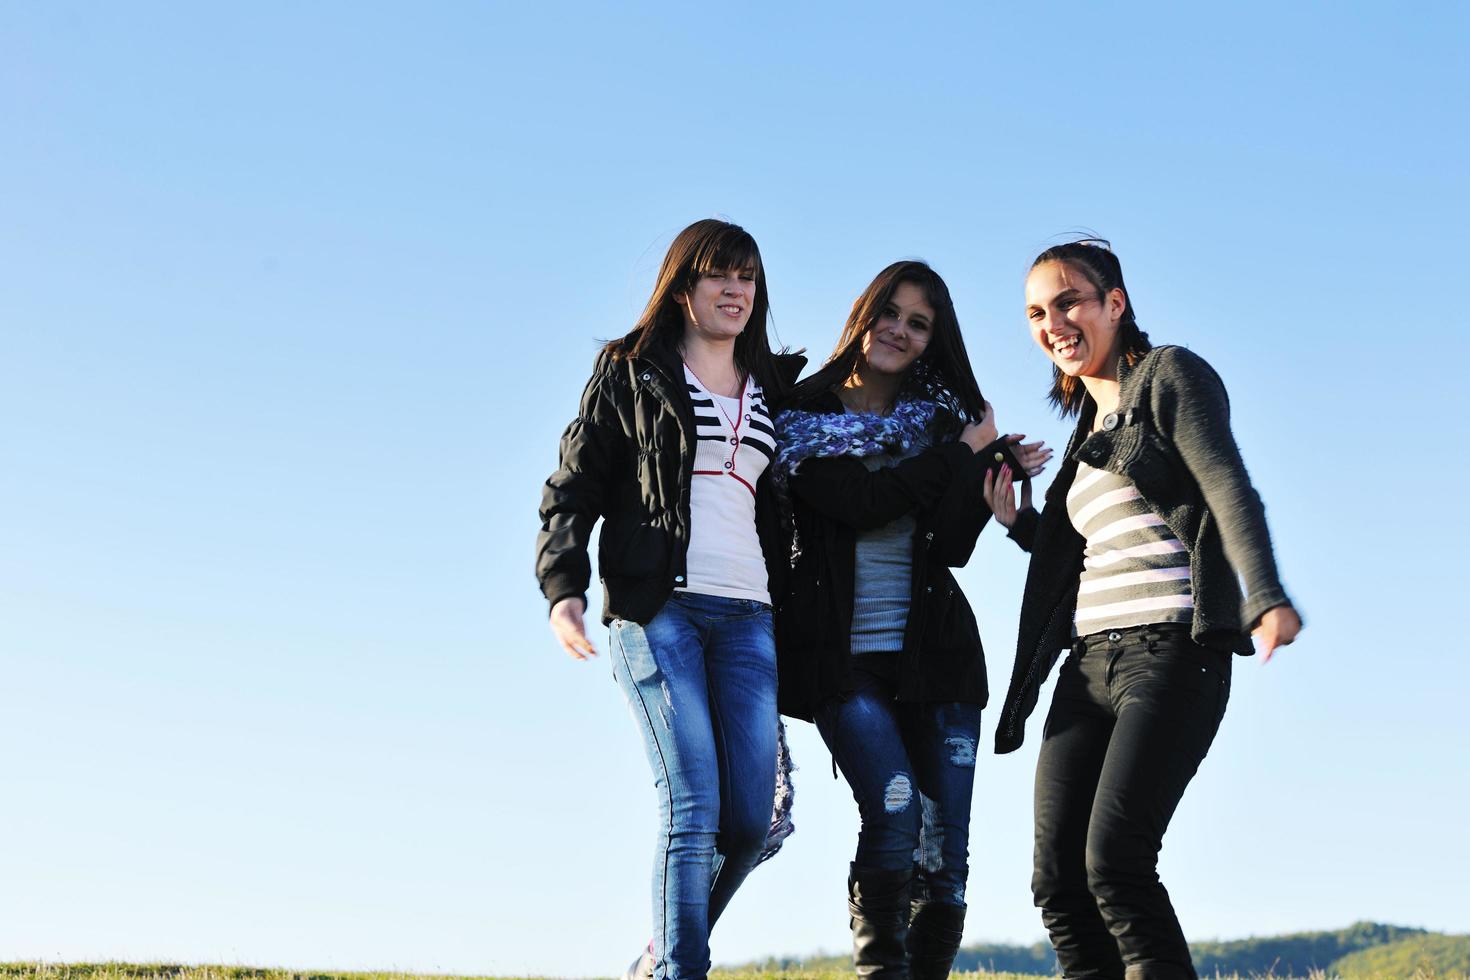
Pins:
x,y
961,751
898,794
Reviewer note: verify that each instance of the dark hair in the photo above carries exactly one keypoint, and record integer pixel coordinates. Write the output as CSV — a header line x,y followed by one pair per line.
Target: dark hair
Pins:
x,y
705,247
941,374
1094,259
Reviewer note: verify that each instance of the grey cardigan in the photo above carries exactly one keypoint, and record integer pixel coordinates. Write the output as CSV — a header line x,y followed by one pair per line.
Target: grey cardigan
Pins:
x,y
1171,437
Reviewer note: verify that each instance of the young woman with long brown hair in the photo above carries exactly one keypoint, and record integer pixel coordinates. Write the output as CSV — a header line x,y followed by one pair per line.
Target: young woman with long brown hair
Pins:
x,y
670,448
881,457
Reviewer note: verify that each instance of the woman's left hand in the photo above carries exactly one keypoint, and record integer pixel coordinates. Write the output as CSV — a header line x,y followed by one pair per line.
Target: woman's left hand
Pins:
x,y
1033,456
1277,628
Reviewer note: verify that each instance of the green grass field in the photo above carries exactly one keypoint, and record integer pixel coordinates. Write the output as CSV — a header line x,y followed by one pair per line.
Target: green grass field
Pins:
x,y
170,971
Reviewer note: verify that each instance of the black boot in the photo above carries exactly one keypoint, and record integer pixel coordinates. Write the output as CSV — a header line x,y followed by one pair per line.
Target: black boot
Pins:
x,y
878,902
935,932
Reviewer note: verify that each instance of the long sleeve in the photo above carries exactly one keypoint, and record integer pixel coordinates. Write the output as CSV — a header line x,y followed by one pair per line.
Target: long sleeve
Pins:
x,y
1192,411
843,489
1023,529
963,511
573,497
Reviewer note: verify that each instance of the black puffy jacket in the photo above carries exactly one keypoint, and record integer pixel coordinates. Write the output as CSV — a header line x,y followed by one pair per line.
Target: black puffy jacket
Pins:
x,y
628,458
833,498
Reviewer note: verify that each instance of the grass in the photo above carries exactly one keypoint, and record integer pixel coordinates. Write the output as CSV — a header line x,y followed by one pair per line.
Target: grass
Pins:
x,y
174,971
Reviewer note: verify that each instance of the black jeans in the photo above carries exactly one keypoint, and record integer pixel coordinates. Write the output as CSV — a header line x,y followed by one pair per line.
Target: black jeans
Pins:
x,y
1134,713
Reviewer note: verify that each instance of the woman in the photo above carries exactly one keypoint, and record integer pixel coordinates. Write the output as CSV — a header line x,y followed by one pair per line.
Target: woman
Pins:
x,y
1149,527
882,455
670,448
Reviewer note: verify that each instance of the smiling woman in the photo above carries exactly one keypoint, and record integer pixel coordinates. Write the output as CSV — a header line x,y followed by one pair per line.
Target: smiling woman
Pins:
x,y
671,449
883,453
1136,565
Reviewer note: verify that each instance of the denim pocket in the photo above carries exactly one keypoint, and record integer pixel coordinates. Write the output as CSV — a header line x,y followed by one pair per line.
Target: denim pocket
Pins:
x,y
634,650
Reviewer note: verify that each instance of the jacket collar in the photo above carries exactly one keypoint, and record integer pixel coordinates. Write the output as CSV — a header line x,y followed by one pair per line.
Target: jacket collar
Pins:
x,y
666,359
1129,377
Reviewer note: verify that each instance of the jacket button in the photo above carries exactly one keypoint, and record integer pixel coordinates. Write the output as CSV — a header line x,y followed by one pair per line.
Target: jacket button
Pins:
x,y
646,377
1000,457
678,578
1110,421
728,464
734,441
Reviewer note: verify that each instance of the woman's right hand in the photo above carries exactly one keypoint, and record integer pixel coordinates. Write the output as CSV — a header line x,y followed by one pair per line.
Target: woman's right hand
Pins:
x,y
978,435
1278,628
1000,494
567,624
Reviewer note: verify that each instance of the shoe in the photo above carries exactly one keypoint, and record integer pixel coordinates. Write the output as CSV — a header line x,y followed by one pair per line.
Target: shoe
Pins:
x,y
642,967
878,903
935,931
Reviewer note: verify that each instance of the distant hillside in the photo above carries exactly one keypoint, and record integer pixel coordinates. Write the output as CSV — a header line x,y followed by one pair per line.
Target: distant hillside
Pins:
x,y
1361,949
1432,954
1295,954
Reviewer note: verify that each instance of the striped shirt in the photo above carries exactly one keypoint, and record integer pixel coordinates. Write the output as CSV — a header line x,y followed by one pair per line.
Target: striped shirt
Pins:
x,y
1134,570
734,442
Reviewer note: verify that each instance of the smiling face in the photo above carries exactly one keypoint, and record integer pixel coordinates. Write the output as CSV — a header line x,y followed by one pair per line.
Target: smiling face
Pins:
x,y
718,307
902,333
1073,322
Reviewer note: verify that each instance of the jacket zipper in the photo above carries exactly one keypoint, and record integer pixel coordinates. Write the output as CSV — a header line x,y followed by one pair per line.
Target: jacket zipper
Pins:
x,y
686,466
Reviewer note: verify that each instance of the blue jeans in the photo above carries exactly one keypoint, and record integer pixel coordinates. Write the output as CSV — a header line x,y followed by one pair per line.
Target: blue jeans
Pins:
x,y
912,771
700,679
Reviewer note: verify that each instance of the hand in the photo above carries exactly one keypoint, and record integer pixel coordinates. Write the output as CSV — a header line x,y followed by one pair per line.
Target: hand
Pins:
x,y
1277,628
566,623
978,435
1000,494
1033,456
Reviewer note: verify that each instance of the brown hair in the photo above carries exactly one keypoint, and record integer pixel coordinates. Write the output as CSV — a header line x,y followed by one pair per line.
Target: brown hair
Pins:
x,y
941,374
707,246
1094,259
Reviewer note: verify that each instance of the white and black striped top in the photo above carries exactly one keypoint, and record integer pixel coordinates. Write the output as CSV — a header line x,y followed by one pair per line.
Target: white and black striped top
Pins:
x,y
734,435
735,442
1135,570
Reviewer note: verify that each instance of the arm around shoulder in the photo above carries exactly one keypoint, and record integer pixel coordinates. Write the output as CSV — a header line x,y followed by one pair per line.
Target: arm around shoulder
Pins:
x,y
843,489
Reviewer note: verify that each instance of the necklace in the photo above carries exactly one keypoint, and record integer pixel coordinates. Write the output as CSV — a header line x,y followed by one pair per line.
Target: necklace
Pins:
x,y
739,411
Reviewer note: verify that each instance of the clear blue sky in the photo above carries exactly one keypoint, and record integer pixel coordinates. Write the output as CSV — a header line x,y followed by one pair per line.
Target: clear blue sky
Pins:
x,y
295,300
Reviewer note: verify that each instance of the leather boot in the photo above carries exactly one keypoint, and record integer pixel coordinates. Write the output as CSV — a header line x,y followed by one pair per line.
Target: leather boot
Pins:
x,y
878,902
935,932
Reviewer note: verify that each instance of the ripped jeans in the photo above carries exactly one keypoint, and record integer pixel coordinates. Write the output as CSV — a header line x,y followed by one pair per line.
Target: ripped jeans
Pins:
x,y
911,767
700,678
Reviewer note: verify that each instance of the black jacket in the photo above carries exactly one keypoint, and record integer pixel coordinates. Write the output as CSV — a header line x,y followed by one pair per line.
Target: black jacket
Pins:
x,y
833,498
1171,437
628,457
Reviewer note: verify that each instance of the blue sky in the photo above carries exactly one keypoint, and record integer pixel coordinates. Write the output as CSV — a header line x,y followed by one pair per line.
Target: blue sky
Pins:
x,y
295,301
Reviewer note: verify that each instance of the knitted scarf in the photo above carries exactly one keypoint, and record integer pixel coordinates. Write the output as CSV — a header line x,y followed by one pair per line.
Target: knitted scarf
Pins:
x,y
804,435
